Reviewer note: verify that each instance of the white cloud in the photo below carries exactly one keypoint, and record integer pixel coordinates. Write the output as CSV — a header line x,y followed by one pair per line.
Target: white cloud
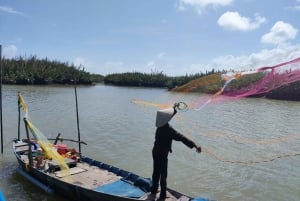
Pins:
x,y
280,54
161,55
9,51
150,64
87,65
265,57
156,62
110,67
10,10
280,33
200,5
79,61
297,6
113,67
233,21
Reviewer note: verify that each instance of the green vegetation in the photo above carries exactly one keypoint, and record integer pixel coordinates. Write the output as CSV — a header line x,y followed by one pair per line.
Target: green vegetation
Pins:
x,y
136,79
154,79
213,83
43,71
244,81
206,84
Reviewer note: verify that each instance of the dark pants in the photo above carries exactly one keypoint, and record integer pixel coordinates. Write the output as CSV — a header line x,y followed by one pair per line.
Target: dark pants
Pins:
x,y
160,173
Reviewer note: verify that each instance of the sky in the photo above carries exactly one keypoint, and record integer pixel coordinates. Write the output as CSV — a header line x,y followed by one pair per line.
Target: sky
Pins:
x,y
176,37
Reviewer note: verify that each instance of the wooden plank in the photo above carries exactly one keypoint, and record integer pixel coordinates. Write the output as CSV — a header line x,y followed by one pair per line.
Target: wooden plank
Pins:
x,y
22,148
24,158
21,144
93,177
71,171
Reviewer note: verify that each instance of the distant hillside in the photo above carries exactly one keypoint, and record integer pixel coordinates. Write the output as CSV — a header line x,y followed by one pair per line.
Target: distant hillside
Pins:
x,y
213,83
207,84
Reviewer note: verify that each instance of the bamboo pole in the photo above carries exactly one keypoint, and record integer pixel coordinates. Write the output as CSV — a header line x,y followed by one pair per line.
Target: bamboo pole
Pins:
x,y
29,144
19,119
77,115
1,99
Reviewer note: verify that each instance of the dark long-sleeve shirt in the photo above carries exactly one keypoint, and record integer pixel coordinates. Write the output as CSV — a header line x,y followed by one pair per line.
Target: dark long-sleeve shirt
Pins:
x,y
163,140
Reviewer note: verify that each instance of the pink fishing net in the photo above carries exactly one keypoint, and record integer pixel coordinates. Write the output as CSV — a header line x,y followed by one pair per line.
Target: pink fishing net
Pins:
x,y
275,77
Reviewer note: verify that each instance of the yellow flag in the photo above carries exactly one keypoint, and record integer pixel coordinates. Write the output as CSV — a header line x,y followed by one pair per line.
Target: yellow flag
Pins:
x,y
22,103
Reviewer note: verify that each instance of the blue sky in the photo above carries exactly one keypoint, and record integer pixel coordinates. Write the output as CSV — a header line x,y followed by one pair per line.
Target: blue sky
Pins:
x,y
177,37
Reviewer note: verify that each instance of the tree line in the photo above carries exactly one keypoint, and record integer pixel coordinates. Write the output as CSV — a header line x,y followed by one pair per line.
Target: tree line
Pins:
x,y
33,70
44,71
153,79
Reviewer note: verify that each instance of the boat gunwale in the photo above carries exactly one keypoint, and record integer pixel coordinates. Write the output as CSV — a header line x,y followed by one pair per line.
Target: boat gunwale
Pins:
x,y
124,174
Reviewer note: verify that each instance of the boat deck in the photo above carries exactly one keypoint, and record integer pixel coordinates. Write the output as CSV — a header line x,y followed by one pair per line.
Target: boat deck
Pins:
x,y
90,176
96,176
87,176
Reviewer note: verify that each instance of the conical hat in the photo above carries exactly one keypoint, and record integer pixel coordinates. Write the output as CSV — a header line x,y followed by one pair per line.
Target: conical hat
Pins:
x,y
164,116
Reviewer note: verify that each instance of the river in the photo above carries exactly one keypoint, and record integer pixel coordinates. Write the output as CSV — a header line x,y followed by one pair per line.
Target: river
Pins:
x,y
250,146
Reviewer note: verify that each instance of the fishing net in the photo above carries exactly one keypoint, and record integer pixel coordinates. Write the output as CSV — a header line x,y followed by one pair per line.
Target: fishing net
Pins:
x,y
47,147
22,104
147,103
273,78
233,86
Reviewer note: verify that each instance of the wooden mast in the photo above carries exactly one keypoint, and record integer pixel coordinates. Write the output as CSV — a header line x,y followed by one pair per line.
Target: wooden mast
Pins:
x,y
78,130
1,99
19,116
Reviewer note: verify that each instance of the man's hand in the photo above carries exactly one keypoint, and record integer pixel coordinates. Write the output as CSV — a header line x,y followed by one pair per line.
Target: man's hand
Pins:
x,y
198,148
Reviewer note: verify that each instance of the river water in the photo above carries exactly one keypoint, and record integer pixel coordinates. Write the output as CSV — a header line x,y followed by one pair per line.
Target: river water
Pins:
x,y
250,146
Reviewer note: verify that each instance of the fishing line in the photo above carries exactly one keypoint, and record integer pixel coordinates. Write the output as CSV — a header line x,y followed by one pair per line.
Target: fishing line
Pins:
x,y
250,162
148,104
218,158
236,138
272,78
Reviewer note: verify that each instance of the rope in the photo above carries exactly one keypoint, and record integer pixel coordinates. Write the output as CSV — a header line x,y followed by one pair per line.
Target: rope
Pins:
x,y
250,162
231,137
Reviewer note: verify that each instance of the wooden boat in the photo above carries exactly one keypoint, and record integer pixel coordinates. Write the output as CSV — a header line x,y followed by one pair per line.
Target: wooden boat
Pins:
x,y
86,179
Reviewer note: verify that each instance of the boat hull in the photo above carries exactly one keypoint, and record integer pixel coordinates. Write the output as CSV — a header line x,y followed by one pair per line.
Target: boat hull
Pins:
x,y
90,190
71,191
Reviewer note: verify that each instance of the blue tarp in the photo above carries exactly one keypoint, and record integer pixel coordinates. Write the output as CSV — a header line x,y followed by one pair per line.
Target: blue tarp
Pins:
x,y
2,197
200,199
121,188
